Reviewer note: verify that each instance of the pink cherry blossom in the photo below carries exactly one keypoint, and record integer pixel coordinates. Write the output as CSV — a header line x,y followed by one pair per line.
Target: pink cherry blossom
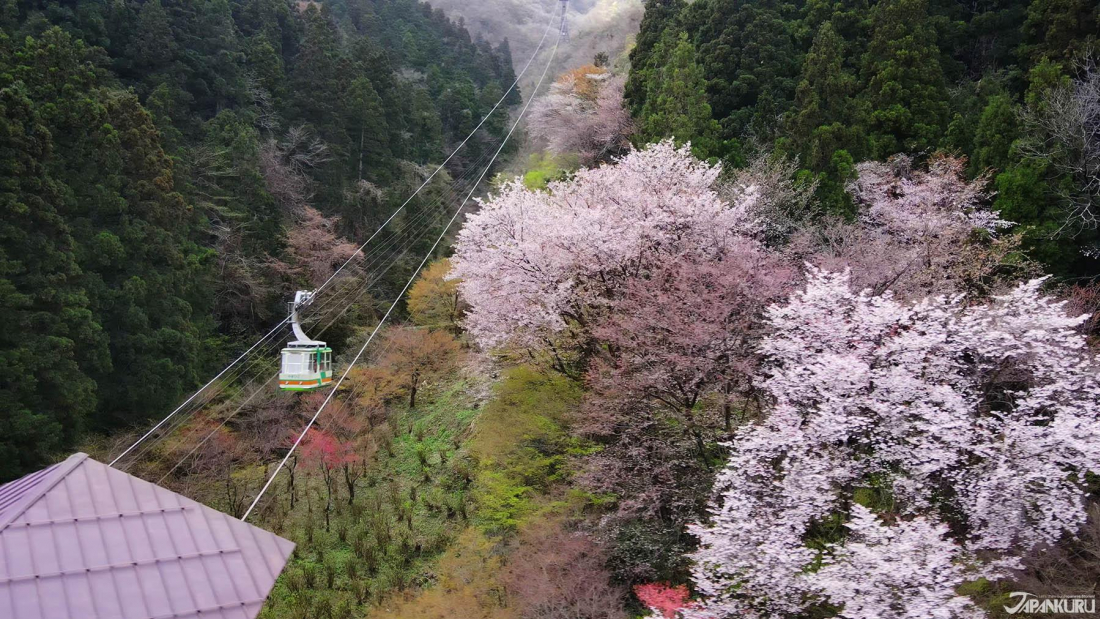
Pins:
x,y
533,262
574,122
982,414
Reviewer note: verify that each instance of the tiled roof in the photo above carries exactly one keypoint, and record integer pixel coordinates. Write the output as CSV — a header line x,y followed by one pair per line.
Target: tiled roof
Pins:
x,y
81,540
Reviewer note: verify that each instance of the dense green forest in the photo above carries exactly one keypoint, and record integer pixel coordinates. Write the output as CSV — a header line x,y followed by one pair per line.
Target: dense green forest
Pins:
x,y
146,228
839,82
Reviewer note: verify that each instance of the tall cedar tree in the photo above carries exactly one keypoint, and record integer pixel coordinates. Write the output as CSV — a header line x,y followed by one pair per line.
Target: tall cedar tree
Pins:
x,y
822,120
676,104
905,101
50,335
659,16
750,62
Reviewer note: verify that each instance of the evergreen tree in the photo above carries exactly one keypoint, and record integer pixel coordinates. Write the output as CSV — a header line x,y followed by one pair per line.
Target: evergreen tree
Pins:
x,y
141,273
1025,197
850,20
153,48
996,131
660,15
366,122
905,100
153,296
676,105
316,78
821,123
1060,29
50,336
749,60
992,35
508,72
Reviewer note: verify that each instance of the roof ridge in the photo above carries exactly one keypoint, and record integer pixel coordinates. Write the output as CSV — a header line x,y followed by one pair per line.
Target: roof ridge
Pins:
x,y
61,471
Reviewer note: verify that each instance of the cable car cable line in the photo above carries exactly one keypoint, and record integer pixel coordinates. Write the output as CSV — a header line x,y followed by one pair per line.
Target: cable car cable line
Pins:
x,y
270,336
397,300
354,293
454,152
358,251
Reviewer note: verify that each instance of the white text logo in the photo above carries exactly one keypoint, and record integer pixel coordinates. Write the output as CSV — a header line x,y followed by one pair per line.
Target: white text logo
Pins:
x,y
1053,605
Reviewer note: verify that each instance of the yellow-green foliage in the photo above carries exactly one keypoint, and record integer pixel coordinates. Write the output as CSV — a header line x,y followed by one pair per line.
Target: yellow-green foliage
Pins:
x,y
517,450
520,445
543,168
469,585
433,300
991,597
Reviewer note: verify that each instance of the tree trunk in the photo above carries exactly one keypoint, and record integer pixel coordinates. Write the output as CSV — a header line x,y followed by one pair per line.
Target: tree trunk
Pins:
x,y
350,484
328,501
290,481
360,154
727,409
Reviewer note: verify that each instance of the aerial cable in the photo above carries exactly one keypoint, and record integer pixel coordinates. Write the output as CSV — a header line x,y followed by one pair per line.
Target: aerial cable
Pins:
x,y
354,255
377,328
353,294
432,210
354,297
203,388
425,184
350,298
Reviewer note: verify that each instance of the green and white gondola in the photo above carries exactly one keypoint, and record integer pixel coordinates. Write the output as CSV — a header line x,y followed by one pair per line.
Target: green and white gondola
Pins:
x,y
306,363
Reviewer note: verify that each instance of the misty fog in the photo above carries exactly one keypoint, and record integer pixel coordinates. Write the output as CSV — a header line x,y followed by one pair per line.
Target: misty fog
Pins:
x,y
594,26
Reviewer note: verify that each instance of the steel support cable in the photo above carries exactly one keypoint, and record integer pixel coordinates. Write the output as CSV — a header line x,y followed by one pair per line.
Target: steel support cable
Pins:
x,y
431,211
278,327
349,299
382,322
269,380
344,409
357,252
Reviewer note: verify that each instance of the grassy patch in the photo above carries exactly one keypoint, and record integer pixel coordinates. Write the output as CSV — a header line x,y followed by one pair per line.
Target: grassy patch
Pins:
x,y
520,446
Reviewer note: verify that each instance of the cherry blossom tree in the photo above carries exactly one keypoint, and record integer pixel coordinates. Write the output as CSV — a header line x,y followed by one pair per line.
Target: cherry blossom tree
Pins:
x,y
418,355
784,201
688,329
322,451
555,573
314,246
583,115
982,416
535,263
882,565
918,232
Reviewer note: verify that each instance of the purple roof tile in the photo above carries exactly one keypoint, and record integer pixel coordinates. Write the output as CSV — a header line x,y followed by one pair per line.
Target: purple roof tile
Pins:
x,y
81,540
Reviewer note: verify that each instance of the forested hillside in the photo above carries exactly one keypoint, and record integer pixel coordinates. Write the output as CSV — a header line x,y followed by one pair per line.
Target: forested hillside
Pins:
x,y
174,170
836,83
837,358
792,312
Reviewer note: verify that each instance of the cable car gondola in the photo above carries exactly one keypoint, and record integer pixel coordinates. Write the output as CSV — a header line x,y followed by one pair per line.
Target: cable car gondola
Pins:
x,y
306,363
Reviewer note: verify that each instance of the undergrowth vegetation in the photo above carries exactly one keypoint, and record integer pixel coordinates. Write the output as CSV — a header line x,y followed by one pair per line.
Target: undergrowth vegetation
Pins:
x,y
460,498
410,503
